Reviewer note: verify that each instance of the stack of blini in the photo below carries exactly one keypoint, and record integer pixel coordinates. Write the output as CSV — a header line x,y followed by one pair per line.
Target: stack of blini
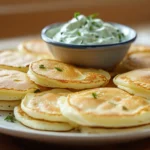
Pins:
x,y
20,58
14,85
93,107
79,98
138,57
42,110
14,82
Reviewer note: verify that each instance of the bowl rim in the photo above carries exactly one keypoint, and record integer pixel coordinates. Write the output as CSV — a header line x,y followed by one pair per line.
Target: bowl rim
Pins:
x,y
56,43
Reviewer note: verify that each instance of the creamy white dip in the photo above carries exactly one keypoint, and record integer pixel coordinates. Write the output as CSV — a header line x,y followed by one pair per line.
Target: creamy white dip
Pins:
x,y
82,30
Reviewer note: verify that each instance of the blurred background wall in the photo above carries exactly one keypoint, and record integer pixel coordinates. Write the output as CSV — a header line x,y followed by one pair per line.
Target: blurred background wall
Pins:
x,y
24,17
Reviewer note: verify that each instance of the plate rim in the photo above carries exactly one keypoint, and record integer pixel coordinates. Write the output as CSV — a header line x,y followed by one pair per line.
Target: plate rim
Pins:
x,y
121,136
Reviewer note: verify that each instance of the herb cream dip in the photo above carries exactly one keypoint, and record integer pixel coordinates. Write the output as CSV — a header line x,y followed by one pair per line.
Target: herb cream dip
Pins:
x,y
86,30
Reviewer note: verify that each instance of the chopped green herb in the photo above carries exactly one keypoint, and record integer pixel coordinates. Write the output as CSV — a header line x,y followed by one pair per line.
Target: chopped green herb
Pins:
x,y
124,108
37,91
96,24
94,95
76,14
58,69
10,118
61,33
92,16
120,37
112,103
42,66
79,33
16,80
85,23
91,28
88,17
96,36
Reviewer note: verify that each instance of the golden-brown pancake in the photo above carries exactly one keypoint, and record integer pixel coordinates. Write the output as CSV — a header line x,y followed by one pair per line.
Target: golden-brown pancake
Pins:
x,y
35,46
14,85
40,124
14,60
8,105
138,57
44,105
135,82
105,107
52,73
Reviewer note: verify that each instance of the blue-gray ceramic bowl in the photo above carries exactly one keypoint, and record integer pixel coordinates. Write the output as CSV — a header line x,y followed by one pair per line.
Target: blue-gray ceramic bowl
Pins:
x,y
105,56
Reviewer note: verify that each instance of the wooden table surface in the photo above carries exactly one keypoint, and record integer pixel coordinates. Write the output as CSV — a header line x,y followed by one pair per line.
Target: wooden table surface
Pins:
x,y
12,143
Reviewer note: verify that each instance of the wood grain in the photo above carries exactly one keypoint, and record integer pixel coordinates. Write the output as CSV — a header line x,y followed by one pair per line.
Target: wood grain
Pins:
x,y
12,143
7,143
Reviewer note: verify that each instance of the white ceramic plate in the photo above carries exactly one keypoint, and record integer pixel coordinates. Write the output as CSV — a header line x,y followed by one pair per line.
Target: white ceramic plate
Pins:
x,y
113,136
105,136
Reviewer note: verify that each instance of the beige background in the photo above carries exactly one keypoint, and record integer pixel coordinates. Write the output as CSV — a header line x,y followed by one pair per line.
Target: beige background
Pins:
x,y
23,17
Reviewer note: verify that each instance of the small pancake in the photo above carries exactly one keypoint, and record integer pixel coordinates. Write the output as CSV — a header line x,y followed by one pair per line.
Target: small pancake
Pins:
x,y
135,82
138,57
44,105
14,60
8,105
14,85
52,73
139,48
36,47
105,107
40,124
